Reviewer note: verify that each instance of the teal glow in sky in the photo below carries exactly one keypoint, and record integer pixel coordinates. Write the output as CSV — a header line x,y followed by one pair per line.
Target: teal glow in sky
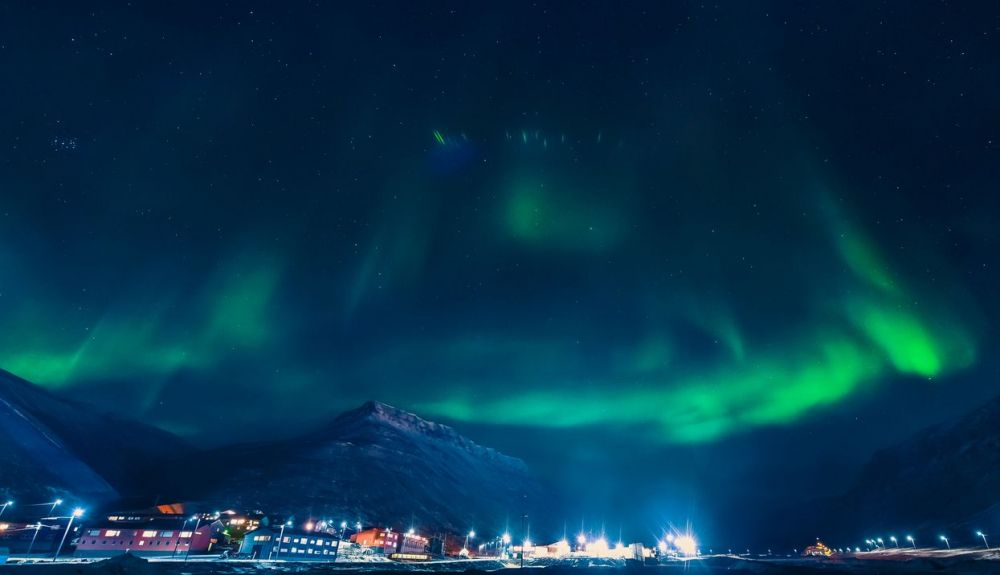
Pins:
x,y
727,231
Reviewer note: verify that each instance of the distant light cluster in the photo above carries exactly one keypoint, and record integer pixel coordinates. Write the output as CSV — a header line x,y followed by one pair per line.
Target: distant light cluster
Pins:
x,y
64,144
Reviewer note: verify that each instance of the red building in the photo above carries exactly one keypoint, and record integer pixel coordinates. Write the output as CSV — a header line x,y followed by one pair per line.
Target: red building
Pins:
x,y
149,540
385,541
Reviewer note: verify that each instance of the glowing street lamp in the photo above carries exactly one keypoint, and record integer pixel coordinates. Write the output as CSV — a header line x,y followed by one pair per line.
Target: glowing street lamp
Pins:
x,y
880,542
197,524
505,538
983,535
893,539
76,513
470,535
910,539
5,506
55,504
281,537
37,527
946,542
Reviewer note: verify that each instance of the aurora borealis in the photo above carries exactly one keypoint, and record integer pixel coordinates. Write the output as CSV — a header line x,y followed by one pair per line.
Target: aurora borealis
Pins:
x,y
579,235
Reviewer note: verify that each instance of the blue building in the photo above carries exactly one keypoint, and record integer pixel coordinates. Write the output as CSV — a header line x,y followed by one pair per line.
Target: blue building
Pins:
x,y
294,545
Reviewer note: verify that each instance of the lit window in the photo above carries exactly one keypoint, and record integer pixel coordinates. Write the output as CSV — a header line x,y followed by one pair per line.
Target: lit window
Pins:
x,y
149,533
167,534
185,534
112,533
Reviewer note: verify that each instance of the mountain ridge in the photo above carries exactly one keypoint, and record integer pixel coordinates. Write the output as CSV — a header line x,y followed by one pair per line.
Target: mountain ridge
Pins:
x,y
50,438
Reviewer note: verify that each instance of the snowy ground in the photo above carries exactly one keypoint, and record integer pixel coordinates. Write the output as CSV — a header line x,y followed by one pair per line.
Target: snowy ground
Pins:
x,y
888,562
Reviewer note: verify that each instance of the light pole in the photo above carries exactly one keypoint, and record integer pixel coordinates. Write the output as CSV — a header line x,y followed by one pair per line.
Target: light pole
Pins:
x,y
880,542
470,535
983,535
893,539
946,542
5,506
76,513
910,539
524,517
197,523
281,537
178,544
55,504
38,527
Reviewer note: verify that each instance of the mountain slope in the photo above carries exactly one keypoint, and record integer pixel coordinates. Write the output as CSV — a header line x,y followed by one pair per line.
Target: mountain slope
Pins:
x,y
377,464
946,474
50,444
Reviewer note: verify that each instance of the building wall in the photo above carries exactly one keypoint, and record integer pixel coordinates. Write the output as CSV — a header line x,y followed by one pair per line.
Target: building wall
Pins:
x,y
295,546
107,541
379,540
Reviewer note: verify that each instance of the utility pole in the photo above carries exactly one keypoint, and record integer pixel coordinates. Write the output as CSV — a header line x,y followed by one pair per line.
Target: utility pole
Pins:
x,y
524,517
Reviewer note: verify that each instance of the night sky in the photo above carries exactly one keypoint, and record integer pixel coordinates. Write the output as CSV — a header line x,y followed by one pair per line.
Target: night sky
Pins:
x,y
676,255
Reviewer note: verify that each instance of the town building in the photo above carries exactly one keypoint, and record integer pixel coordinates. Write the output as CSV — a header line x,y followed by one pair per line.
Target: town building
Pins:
x,y
413,543
380,541
290,545
161,538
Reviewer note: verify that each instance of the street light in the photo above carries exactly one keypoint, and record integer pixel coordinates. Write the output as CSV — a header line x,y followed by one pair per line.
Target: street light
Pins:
x,y
470,535
197,524
38,527
946,542
893,539
882,543
983,535
910,539
5,506
54,504
177,546
76,513
281,537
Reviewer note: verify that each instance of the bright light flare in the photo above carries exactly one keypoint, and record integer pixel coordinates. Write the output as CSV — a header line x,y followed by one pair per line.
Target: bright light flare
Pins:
x,y
686,545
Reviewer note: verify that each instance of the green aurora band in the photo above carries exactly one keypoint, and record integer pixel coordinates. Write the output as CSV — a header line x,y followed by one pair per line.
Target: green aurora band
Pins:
x,y
873,331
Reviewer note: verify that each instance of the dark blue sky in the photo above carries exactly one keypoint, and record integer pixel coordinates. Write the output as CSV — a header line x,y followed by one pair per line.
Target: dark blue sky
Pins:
x,y
693,253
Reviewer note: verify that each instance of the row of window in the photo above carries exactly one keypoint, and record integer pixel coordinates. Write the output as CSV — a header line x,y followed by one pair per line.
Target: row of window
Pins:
x,y
145,534
311,551
306,541
141,542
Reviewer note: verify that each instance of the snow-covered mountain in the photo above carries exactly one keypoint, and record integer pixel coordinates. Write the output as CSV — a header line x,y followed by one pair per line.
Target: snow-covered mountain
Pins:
x,y
377,464
52,446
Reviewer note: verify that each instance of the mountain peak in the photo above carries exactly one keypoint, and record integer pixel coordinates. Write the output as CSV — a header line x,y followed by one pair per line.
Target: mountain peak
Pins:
x,y
382,415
